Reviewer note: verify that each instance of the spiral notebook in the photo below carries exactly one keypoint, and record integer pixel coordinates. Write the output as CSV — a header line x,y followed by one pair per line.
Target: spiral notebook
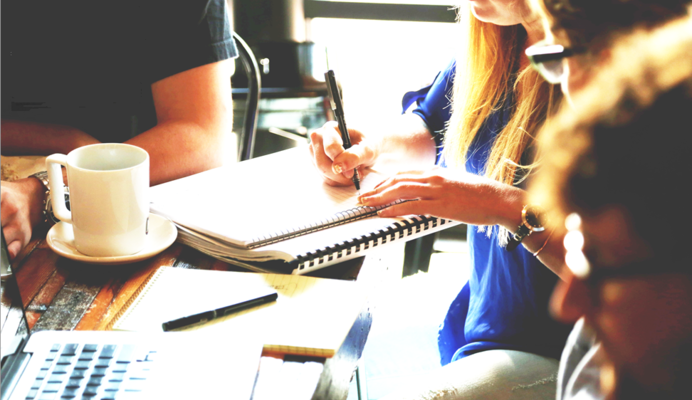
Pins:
x,y
311,316
275,213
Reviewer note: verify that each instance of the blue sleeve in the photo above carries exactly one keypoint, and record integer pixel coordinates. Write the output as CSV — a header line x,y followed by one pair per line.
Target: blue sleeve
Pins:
x,y
433,102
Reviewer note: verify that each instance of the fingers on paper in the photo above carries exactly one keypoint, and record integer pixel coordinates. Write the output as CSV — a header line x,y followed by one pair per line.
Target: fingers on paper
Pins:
x,y
407,190
418,207
413,176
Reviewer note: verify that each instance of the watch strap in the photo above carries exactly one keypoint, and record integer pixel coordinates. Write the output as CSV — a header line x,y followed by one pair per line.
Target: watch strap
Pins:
x,y
517,237
47,203
42,176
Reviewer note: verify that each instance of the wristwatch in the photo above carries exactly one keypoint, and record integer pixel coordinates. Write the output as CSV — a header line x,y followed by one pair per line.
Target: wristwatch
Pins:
x,y
47,203
531,221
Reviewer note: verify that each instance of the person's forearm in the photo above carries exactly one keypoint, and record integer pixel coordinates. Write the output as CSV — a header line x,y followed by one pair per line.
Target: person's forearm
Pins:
x,y
552,252
195,119
407,140
179,148
33,138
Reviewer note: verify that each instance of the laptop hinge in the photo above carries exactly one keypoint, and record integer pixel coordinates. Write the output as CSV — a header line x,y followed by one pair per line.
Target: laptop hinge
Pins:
x,y
12,348
13,368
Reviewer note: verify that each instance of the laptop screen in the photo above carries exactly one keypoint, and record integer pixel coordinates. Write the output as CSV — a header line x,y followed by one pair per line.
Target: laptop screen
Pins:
x,y
6,270
12,307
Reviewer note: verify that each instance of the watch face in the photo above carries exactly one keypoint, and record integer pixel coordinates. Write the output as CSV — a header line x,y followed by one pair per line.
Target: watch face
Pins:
x,y
533,218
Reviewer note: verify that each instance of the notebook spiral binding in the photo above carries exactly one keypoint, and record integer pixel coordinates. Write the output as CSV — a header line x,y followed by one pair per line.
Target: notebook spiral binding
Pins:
x,y
349,248
339,218
126,307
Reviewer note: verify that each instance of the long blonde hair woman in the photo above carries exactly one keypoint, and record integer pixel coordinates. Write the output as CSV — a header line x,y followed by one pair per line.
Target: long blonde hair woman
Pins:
x,y
499,320
494,66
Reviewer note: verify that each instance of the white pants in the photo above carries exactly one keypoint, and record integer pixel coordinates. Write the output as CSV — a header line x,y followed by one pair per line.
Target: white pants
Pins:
x,y
491,375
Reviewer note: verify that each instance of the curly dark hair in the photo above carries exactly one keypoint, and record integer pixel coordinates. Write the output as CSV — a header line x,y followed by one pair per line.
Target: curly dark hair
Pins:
x,y
628,140
590,24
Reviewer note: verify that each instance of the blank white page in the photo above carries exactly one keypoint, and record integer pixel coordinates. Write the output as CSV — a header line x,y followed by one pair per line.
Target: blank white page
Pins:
x,y
255,198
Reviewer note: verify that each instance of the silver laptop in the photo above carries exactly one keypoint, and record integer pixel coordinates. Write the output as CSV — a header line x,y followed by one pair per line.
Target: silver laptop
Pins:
x,y
122,365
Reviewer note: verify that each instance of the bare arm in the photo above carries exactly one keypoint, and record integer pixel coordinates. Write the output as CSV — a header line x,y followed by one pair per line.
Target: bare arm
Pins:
x,y
34,138
194,116
194,112
462,196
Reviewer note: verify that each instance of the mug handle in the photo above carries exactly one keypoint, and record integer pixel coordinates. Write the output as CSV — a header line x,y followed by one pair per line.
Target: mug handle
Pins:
x,y
57,185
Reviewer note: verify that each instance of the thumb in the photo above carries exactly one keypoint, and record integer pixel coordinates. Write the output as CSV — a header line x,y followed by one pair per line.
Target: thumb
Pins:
x,y
359,155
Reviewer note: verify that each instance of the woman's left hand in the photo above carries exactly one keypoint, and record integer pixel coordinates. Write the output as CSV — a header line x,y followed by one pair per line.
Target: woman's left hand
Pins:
x,y
448,193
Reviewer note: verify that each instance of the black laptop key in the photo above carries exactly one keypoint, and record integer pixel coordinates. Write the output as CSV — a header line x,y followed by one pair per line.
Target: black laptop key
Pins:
x,y
51,387
78,374
48,396
103,362
60,369
112,386
86,356
70,349
99,371
46,365
66,360
116,377
32,394
120,368
95,381
108,351
109,396
74,383
42,374
90,348
69,393
56,378
91,391
82,364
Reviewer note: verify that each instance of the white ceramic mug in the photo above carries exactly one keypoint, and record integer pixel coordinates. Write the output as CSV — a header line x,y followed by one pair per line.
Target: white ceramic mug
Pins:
x,y
109,197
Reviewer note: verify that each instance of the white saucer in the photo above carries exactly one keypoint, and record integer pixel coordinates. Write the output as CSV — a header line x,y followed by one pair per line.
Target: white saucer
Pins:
x,y
162,233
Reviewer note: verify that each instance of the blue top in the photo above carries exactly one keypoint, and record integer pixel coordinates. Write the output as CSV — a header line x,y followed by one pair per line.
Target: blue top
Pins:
x,y
504,305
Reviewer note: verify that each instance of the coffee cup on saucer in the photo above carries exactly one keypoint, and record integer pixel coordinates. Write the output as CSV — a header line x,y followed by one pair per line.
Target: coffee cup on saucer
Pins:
x,y
109,197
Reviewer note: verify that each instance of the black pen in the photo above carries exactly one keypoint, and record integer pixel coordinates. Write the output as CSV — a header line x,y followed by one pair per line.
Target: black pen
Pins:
x,y
218,313
338,108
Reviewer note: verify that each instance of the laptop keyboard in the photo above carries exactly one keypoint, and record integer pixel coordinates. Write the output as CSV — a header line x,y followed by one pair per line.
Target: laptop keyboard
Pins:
x,y
91,371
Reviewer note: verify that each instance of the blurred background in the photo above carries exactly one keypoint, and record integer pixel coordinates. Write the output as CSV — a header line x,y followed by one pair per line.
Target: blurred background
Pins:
x,y
378,49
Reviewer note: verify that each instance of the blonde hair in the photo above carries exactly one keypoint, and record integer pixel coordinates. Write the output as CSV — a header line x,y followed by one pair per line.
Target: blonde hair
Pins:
x,y
481,85
483,80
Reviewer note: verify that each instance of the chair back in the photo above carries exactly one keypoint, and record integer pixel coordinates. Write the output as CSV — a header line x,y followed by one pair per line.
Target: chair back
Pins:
x,y
246,138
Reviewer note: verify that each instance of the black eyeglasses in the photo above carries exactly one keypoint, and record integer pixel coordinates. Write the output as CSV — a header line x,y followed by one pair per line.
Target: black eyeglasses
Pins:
x,y
547,60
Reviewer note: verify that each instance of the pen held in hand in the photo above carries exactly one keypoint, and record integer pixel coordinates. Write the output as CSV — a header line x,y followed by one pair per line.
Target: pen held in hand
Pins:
x,y
217,313
337,105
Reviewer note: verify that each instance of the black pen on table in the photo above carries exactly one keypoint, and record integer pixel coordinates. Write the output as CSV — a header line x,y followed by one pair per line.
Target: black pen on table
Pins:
x,y
338,108
218,313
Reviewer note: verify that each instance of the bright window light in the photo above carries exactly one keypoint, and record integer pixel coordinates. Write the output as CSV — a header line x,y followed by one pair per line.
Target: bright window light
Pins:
x,y
378,61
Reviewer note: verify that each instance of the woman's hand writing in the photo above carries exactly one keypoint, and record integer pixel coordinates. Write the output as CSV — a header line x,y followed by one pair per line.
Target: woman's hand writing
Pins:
x,y
334,162
448,193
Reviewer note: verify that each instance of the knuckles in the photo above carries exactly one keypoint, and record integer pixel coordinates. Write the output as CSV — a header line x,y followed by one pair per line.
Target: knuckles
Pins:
x,y
333,149
315,136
